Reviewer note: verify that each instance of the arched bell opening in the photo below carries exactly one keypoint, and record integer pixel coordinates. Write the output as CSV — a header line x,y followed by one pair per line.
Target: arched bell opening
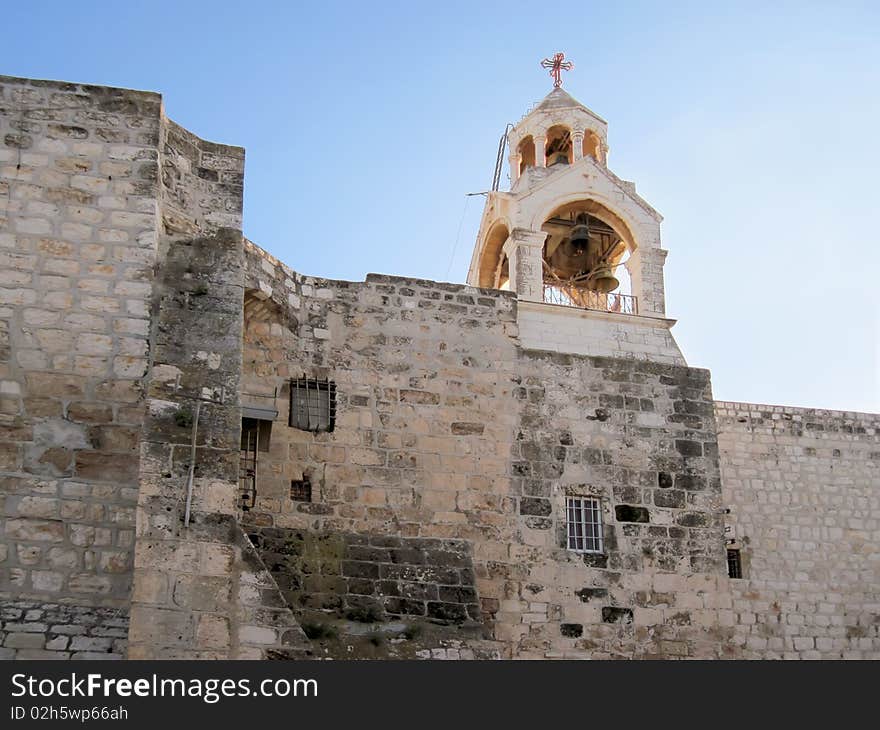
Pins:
x,y
526,151
584,259
592,145
492,256
558,150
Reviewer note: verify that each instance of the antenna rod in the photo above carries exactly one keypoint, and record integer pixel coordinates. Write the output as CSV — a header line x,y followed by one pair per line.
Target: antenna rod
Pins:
x,y
499,160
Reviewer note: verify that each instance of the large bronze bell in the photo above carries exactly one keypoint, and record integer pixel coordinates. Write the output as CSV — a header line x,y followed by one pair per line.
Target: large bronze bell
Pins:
x,y
580,257
602,280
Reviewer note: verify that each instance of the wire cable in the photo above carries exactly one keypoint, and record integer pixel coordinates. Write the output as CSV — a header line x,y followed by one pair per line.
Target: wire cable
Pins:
x,y
457,235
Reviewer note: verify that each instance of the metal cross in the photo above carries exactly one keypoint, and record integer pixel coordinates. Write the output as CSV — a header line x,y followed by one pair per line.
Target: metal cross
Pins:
x,y
557,65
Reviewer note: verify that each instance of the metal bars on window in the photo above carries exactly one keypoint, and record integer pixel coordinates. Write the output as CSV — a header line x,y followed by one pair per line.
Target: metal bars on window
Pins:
x,y
247,469
734,563
584,523
312,404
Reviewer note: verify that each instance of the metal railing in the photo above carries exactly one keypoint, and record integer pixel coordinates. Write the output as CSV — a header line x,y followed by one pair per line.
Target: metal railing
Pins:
x,y
569,296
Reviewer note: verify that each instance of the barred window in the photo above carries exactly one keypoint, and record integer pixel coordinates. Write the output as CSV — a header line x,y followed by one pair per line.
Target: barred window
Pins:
x,y
312,404
734,563
584,523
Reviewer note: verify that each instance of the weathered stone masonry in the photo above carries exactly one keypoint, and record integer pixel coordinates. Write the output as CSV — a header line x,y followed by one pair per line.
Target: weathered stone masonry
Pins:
x,y
99,192
136,323
198,589
803,488
78,236
447,429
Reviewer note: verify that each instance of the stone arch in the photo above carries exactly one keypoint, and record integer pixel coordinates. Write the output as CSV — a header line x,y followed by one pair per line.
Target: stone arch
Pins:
x,y
592,145
622,224
526,151
491,257
558,145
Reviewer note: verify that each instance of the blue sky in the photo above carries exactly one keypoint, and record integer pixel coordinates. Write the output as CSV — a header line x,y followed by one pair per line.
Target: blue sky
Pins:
x,y
752,129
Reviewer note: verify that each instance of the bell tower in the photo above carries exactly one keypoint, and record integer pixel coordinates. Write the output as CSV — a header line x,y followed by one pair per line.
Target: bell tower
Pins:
x,y
577,244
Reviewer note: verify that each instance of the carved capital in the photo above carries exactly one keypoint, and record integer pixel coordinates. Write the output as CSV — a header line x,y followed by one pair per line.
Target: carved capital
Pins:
x,y
526,237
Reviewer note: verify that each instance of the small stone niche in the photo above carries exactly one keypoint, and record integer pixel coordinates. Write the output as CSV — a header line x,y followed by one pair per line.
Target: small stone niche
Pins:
x,y
615,615
301,490
630,513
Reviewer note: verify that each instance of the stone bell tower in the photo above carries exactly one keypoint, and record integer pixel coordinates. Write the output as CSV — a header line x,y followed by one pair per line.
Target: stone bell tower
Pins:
x,y
576,243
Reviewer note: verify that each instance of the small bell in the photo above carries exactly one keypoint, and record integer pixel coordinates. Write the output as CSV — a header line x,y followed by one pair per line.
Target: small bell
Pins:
x,y
579,240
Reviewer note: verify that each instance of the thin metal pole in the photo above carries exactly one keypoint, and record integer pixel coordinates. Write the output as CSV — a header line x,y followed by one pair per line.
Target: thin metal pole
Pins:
x,y
256,456
192,464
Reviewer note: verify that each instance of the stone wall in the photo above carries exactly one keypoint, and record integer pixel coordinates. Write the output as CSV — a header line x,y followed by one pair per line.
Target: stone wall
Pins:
x,y
640,437
803,489
464,419
98,192
202,184
78,191
379,576
585,332
34,630
201,591
447,429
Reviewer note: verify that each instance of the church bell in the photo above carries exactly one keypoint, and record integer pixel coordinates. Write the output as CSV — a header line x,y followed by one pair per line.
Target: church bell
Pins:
x,y
578,242
581,246
602,280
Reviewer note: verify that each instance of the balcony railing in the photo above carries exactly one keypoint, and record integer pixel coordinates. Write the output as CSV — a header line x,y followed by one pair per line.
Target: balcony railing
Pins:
x,y
586,299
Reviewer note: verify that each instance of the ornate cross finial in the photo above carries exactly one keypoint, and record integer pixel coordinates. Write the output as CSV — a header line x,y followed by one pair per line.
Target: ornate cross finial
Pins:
x,y
557,65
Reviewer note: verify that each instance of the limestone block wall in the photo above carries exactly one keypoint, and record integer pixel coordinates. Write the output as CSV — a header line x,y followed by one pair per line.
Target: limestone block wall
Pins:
x,y
372,575
200,588
420,370
448,429
41,630
202,183
78,236
640,437
803,489
98,190
583,332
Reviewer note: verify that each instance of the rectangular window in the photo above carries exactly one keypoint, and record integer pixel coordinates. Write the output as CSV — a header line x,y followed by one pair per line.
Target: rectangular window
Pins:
x,y
255,434
584,522
312,404
301,491
734,563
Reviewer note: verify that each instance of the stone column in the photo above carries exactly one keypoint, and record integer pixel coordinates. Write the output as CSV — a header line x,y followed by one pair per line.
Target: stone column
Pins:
x,y
524,249
577,145
514,160
540,145
645,267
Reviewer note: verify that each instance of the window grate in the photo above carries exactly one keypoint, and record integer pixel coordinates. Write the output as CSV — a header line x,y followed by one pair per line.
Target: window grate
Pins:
x,y
584,522
312,404
247,468
734,563
301,491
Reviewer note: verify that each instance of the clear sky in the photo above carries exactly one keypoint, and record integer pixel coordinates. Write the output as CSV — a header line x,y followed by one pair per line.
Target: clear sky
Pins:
x,y
752,128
